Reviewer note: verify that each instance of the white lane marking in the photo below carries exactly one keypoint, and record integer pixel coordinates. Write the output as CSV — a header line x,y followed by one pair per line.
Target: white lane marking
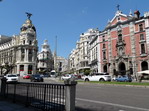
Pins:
x,y
112,104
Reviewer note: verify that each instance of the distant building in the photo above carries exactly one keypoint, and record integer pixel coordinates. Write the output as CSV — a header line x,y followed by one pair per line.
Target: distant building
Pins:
x,y
62,64
80,56
18,54
45,59
93,52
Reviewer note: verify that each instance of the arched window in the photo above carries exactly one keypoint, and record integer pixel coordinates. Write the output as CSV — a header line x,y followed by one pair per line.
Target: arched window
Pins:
x,y
104,46
144,65
120,37
104,55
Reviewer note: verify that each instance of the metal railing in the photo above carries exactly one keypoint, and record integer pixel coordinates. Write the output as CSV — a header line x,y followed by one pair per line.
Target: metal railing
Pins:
x,y
47,97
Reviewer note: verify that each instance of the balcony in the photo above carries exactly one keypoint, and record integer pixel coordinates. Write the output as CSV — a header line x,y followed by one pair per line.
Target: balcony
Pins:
x,y
143,55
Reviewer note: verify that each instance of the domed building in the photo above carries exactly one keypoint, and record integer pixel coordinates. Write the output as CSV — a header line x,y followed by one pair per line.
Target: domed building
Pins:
x,y
18,54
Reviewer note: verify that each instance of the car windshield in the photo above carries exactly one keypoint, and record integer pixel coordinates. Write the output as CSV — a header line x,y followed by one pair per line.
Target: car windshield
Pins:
x,y
36,75
12,75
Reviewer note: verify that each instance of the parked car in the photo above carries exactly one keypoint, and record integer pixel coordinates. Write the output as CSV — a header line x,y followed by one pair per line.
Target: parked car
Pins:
x,y
46,75
11,78
124,78
36,78
67,76
97,77
26,76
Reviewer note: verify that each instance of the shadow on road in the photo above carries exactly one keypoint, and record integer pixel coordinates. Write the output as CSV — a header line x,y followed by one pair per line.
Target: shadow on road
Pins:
x,y
86,109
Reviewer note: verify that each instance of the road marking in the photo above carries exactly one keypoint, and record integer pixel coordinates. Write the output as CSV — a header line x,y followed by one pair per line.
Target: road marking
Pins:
x,y
112,104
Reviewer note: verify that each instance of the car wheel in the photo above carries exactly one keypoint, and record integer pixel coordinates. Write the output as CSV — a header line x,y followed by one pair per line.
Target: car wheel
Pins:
x,y
101,79
86,79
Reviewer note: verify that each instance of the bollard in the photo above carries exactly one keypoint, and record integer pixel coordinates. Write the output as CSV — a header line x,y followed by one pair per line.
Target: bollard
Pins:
x,y
3,87
70,95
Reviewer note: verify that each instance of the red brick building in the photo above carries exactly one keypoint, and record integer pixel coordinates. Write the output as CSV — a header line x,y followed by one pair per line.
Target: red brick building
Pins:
x,y
124,44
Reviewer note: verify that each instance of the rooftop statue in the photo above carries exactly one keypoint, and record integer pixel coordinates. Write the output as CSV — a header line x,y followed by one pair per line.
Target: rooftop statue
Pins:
x,y
28,15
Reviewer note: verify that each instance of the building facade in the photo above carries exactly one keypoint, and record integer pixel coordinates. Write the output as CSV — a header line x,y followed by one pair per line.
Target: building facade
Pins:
x,y
62,64
80,56
124,44
45,59
18,54
122,48
93,52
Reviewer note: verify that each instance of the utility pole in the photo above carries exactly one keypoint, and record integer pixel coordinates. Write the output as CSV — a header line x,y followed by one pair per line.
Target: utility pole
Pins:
x,y
55,54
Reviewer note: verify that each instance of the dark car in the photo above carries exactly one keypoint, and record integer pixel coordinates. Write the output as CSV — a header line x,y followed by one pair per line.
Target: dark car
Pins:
x,y
36,78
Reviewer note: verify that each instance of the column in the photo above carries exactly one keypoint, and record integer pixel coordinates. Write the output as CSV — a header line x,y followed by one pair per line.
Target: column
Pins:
x,y
25,68
18,69
70,95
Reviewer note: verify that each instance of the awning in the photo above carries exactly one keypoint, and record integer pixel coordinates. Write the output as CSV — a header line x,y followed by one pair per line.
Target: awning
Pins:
x,y
141,72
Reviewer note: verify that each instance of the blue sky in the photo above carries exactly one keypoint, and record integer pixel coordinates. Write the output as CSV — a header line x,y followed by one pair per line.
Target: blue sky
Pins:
x,y
66,19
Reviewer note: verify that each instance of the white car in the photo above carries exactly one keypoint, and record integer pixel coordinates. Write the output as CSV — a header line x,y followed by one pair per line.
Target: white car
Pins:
x,y
97,77
67,76
11,78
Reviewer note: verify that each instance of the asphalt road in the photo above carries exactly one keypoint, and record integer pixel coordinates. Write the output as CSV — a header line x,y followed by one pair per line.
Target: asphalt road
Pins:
x,y
95,97
99,97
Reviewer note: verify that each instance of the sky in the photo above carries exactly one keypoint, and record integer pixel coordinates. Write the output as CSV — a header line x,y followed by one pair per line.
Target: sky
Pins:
x,y
64,19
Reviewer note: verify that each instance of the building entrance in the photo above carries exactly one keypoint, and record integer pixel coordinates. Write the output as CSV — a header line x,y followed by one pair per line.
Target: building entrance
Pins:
x,y
122,69
105,68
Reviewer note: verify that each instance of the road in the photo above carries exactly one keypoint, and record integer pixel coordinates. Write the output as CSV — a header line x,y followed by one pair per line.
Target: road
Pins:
x,y
99,97
95,97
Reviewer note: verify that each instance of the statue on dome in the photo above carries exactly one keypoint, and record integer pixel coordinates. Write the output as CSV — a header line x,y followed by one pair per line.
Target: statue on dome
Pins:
x,y
29,15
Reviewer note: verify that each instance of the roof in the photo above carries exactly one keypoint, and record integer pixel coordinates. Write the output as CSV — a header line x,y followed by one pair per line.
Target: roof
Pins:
x,y
4,39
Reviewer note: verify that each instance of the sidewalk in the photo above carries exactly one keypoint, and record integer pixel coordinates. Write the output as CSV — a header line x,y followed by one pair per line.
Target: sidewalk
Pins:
x,y
10,106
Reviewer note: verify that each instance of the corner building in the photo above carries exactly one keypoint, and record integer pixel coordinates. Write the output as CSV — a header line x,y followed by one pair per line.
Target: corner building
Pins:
x,y
18,54
124,44
45,59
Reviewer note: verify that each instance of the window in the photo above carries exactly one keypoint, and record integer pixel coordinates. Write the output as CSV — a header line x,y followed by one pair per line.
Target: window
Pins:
x,y
104,46
118,18
104,55
30,68
30,42
30,58
120,37
141,36
142,49
22,57
103,38
21,67
22,50
30,51
141,27
23,41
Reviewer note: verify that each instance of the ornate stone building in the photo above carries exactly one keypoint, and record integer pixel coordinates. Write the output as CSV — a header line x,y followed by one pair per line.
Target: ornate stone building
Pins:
x,y
45,58
79,57
18,54
124,44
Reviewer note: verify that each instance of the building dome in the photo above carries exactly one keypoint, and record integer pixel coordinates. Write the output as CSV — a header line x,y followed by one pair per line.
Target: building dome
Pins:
x,y
28,25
